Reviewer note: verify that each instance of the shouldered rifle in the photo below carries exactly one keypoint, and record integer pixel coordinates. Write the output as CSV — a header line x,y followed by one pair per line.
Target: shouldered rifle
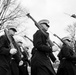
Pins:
x,y
13,44
63,41
28,38
38,26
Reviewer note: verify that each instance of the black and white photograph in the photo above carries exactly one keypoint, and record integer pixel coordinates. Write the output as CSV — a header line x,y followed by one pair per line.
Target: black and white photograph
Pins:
x,y
37,37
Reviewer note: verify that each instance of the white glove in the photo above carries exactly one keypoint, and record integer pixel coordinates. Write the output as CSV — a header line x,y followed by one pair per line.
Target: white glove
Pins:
x,y
57,62
13,51
21,63
54,48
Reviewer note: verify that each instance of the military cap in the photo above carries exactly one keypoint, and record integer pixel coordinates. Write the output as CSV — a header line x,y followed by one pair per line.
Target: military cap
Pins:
x,y
67,38
44,21
13,29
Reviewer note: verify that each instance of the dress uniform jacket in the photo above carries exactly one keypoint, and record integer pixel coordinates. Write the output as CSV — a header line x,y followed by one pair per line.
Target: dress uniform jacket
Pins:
x,y
40,62
67,61
5,56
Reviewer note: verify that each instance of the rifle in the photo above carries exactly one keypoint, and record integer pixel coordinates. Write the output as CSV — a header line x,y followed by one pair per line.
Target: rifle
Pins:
x,y
28,38
38,26
63,41
13,44
56,44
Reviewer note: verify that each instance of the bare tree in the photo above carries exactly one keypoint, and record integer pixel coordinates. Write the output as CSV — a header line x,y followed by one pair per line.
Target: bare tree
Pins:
x,y
71,29
11,13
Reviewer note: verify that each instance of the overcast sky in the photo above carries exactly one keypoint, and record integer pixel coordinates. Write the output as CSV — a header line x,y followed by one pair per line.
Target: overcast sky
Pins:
x,y
54,11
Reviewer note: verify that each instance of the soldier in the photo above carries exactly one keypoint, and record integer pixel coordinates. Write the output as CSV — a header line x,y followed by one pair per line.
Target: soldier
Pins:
x,y
67,58
6,52
40,62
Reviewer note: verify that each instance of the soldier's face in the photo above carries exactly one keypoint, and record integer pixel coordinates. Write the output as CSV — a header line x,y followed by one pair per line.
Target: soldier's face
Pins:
x,y
11,32
45,28
69,43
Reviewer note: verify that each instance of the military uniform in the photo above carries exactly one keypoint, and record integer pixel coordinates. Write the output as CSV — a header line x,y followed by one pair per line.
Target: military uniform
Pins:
x,y
5,56
67,61
40,62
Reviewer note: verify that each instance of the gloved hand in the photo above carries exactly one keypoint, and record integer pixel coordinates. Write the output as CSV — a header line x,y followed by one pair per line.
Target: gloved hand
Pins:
x,y
13,51
57,61
21,63
54,48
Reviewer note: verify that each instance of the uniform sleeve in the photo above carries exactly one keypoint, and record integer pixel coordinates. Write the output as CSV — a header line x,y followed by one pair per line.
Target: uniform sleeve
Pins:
x,y
51,55
38,43
3,49
17,56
